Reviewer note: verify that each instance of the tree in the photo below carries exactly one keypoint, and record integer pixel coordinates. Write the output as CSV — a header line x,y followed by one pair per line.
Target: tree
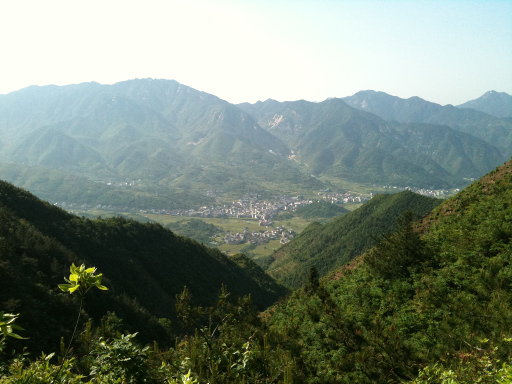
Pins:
x,y
399,254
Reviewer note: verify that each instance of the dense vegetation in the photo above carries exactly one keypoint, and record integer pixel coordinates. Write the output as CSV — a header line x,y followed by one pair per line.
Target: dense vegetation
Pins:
x,y
438,300
329,246
431,303
145,265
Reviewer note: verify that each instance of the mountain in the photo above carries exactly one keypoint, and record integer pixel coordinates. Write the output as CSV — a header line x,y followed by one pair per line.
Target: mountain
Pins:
x,y
494,103
145,267
329,246
496,131
149,143
334,139
156,135
429,302
135,116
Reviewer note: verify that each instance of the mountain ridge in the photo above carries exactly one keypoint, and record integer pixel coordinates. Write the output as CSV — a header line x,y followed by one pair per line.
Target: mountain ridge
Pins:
x,y
331,136
421,306
496,131
163,139
331,245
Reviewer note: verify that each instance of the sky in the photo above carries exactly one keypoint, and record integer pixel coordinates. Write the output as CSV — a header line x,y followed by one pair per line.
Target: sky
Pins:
x,y
444,51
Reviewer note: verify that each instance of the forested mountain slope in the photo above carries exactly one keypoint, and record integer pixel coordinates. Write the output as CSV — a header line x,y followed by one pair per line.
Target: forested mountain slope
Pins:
x,y
145,267
148,143
433,298
329,246
334,139
430,303
145,138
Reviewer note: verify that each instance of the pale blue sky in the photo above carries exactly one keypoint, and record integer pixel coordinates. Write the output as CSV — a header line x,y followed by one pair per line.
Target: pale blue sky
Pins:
x,y
447,52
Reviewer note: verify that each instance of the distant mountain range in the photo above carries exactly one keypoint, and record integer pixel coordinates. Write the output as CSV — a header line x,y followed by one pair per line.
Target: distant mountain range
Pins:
x,y
147,143
334,139
495,131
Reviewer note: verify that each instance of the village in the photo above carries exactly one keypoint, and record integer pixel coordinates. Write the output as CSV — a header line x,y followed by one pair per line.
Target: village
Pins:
x,y
261,237
251,206
424,191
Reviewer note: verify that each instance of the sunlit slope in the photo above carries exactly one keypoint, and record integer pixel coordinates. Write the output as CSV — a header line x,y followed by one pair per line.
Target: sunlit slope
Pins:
x,y
329,246
435,295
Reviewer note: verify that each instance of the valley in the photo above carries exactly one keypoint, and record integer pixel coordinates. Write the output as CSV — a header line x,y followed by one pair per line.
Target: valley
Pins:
x,y
364,239
250,225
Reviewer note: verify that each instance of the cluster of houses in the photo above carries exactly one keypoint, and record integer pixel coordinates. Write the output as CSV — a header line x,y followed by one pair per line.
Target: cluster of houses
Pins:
x,y
344,198
262,237
423,191
249,206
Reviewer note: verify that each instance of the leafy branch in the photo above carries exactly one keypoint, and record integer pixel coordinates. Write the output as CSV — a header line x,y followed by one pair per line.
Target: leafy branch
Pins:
x,y
81,280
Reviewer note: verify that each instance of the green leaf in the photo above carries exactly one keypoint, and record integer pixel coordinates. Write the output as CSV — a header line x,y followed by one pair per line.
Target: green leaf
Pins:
x,y
82,279
73,289
65,287
7,325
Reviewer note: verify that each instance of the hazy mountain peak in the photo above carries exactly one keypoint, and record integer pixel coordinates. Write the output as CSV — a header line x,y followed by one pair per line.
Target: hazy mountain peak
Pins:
x,y
494,103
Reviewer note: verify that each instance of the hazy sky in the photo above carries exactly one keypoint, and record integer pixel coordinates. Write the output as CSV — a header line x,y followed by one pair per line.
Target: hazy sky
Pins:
x,y
444,51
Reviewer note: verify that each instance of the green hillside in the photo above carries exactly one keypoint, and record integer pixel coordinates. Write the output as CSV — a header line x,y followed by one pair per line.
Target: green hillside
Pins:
x,y
320,210
145,267
434,299
79,191
466,158
329,246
